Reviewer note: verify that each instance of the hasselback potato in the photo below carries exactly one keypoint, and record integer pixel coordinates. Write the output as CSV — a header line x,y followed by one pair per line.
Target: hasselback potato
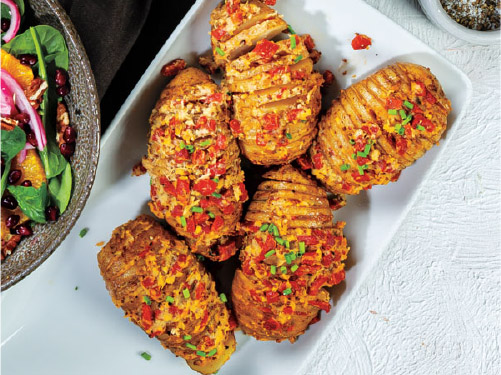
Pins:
x,y
275,91
378,127
292,251
163,289
193,160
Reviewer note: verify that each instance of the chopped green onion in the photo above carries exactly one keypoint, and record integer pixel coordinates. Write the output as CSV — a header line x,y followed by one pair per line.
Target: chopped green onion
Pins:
x,y
201,353
398,127
229,93
191,346
223,297
186,337
273,270
402,114
146,356
279,241
183,221
420,127
182,145
216,195
186,293
352,142
367,149
83,232
302,247
147,300
287,244
197,209
298,59
190,148
288,135
201,258
407,120
353,156
293,256
276,233
283,269
293,41
408,104
264,227
169,299
392,112
216,180
211,215
365,166
269,253
294,268
205,143
345,167
401,131
288,259
212,352
290,29
219,51
360,170
287,291
362,154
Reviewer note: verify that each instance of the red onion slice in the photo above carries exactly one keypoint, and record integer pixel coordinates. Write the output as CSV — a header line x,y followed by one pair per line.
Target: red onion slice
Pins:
x,y
15,20
7,107
24,106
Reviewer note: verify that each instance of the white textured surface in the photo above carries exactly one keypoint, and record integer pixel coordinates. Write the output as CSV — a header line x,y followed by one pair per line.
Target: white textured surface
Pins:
x,y
432,303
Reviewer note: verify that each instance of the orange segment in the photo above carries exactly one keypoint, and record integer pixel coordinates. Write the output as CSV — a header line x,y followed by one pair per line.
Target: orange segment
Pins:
x,y
31,168
21,73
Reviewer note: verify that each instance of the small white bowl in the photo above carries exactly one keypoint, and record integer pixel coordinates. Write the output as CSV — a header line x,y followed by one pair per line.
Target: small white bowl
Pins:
x,y
437,14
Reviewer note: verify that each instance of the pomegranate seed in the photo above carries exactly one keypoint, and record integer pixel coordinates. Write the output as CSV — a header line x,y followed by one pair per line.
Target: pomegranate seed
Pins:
x,y
61,77
51,213
67,149
14,176
31,138
23,230
27,59
26,183
9,202
23,118
69,134
12,221
5,24
63,90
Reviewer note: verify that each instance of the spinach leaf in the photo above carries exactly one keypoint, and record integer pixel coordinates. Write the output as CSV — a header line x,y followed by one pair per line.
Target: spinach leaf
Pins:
x,y
13,141
31,201
6,12
60,189
55,162
53,46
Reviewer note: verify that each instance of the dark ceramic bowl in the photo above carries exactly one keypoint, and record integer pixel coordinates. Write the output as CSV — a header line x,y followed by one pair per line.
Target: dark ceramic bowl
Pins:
x,y
83,105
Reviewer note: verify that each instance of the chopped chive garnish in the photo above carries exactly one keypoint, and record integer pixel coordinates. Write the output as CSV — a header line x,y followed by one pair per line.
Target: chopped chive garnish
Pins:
x,y
302,247
398,127
407,120
169,299
201,258
288,135
291,30
276,233
352,142
212,352
287,244
186,337
269,253
288,258
219,51
270,228
367,149
211,215
402,114
280,241
298,59
345,167
361,154
294,268
273,270
287,291
420,127
191,346
365,166
197,209
147,300
201,353
283,269
216,180
205,143
293,42
360,170
401,131
183,221
190,148
146,356
83,232
392,111
408,104
216,195
223,297
264,227
353,156
182,145
293,256
186,293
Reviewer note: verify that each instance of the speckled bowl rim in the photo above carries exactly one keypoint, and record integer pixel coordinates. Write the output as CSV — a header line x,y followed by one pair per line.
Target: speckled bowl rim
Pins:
x,y
72,38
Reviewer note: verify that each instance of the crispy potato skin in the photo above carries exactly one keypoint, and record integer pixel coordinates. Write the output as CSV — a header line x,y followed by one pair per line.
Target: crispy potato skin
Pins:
x,y
193,160
360,118
280,288
142,265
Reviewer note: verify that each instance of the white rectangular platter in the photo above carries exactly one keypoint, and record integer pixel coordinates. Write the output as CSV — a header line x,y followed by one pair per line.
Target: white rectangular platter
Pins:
x,y
51,327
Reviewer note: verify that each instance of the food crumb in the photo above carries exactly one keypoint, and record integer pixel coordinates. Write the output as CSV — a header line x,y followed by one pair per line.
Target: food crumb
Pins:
x,y
83,232
76,288
138,169
373,312
361,41
100,243
146,356
345,72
